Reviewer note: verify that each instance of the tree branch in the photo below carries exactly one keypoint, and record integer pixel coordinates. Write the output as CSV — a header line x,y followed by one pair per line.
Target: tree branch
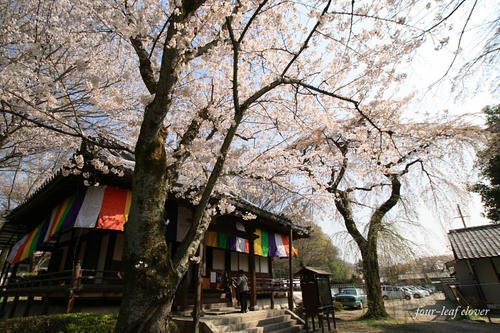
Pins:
x,y
145,67
306,42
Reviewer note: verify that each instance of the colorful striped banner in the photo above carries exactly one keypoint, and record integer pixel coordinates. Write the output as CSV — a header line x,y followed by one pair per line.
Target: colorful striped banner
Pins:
x,y
109,207
211,239
16,248
79,210
115,208
257,243
279,246
91,206
222,240
267,244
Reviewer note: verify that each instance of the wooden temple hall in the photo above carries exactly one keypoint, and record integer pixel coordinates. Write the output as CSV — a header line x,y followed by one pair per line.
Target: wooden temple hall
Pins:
x,y
79,230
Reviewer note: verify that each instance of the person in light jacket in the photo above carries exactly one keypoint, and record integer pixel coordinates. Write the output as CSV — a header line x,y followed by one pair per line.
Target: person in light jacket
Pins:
x,y
242,285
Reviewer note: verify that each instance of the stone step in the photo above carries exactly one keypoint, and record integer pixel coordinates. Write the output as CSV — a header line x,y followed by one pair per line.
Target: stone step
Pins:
x,y
237,318
271,322
267,321
289,329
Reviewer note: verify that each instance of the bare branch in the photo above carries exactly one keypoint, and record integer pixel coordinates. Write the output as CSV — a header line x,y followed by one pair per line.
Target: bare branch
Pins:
x,y
145,67
306,42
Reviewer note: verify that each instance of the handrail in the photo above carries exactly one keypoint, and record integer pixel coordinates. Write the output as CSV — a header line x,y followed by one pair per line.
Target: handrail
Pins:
x,y
64,278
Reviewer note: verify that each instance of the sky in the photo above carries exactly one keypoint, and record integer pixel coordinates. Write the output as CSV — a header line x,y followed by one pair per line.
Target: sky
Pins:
x,y
426,68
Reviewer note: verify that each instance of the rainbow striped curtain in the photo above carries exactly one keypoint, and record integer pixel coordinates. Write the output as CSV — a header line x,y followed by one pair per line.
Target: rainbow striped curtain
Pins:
x,y
267,243
107,207
103,207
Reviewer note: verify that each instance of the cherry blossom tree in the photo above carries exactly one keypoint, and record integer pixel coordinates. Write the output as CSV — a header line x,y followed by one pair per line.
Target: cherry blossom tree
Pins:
x,y
204,90
361,166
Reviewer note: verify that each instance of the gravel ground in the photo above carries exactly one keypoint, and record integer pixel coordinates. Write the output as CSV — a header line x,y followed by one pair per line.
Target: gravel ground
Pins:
x,y
427,315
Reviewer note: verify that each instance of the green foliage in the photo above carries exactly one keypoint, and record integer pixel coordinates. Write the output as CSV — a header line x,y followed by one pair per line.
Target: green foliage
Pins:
x,y
489,165
61,323
338,306
67,323
316,251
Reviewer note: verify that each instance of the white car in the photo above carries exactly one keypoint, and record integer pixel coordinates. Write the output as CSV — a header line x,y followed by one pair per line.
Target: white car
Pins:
x,y
417,293
393,292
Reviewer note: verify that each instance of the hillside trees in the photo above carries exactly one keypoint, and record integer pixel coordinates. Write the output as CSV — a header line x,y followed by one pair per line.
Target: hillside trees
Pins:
x,y
203,89
316,251
489,165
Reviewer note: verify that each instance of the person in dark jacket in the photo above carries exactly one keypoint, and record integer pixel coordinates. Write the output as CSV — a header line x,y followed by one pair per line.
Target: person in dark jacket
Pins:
x,y
242,285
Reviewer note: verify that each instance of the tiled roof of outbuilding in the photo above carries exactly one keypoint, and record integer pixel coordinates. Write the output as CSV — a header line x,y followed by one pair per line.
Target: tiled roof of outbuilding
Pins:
x,y
476,242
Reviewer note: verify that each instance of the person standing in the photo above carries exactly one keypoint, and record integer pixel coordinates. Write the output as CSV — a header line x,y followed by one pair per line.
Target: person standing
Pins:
x,y
242,285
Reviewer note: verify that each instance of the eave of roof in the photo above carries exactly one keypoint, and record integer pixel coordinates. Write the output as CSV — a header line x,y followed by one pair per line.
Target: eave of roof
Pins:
x,y
476,242
314,270
26,216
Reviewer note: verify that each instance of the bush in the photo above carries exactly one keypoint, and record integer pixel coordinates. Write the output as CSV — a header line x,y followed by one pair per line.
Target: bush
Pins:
x,y
338,306
61,323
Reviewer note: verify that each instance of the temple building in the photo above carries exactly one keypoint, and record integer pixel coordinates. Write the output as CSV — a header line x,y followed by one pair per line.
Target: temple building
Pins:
x,y
78,218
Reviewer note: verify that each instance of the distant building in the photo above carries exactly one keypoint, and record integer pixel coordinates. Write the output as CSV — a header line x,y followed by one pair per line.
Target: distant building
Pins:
x,y
477,265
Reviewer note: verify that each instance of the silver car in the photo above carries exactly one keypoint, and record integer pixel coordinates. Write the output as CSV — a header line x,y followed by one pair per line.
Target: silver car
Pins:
x,y
394,292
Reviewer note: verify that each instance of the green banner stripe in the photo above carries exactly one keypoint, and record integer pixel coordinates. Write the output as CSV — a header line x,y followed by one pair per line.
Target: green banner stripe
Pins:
x,y
222,240
265,243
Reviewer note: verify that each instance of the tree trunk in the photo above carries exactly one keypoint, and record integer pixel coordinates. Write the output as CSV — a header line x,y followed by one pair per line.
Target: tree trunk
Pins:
x,y
376,308
368,245
150,283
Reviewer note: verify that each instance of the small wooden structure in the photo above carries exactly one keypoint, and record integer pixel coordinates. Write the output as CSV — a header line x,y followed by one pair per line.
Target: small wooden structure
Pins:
x,y
317,297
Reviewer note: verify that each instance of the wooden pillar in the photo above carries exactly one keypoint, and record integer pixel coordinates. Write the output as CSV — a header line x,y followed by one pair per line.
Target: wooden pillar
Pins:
x,y
198,298
4,304
13,306
185,291
75,284
253,275
290,271
478,286
28,306
45,304
4,263
494,269
5,274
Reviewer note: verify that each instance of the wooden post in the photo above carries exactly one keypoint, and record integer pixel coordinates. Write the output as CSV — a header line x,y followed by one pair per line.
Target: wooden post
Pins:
x,y
5,264
253,275
4,304
197,301
290,272
28,306
13,306
75,284
45,304
185,291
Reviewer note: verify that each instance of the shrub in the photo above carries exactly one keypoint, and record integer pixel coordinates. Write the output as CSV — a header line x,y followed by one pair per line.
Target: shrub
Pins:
x,y
61,323
338,306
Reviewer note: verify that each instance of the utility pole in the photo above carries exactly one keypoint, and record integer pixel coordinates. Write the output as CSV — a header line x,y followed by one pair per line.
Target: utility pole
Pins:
x,y
461,216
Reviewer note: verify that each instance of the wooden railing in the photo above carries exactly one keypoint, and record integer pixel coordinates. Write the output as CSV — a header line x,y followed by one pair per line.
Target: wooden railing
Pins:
x,y
58,279
46,282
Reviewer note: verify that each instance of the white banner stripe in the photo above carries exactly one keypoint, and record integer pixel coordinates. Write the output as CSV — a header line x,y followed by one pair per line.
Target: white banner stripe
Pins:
x,y
91,207
279,244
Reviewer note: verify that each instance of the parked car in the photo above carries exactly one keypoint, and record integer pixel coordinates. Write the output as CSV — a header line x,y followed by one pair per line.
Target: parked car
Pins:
x,y
352,297
426,292
393,292
417,293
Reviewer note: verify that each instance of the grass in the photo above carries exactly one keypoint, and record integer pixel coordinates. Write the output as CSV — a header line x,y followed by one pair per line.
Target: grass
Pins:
x,y
61,323
65,323
388,324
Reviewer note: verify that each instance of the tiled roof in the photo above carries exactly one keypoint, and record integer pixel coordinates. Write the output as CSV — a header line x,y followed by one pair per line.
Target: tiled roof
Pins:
x,y
476,242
